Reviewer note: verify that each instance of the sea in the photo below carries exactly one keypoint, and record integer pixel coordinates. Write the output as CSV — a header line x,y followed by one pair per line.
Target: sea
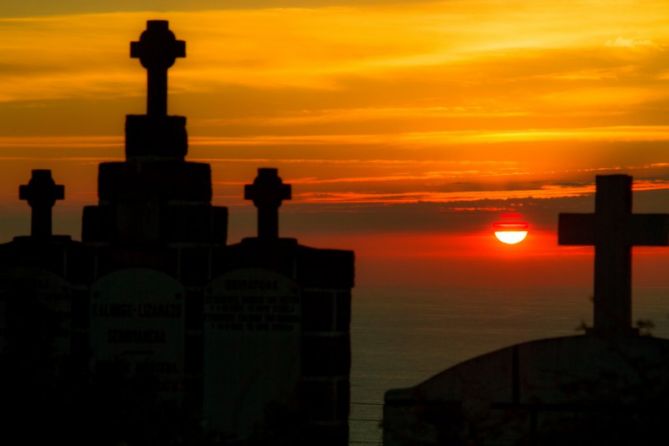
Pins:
x,y
401,337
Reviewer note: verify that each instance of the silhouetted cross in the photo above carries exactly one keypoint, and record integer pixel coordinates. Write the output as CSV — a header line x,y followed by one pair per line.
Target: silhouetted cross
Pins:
x,y
41,192
268,192
613,230
157,50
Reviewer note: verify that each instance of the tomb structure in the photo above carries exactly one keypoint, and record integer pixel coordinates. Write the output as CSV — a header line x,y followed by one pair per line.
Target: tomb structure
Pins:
x,y
152,329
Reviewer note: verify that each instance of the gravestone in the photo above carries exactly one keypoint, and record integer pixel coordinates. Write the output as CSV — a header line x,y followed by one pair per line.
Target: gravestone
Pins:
x,y
301,337
137,327
37,364
35,316
252,335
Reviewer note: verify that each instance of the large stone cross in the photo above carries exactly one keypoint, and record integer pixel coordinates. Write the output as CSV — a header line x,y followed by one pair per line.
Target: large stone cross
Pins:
x,y
613,230
157,50
41,192
268,192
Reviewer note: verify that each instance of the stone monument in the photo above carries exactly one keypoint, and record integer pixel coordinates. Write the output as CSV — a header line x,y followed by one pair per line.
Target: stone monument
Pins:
x,y
152,330
291,304
43,342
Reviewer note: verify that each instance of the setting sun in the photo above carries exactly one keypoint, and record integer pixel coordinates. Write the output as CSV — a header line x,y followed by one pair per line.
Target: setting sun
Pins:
x,y
510,233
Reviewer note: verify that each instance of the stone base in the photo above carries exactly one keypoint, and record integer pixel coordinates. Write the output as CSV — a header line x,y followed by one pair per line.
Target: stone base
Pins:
x,y
163,180
155,137
154,222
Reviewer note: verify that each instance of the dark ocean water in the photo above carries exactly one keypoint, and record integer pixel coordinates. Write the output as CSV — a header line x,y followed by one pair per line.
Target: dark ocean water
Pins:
x,y
400,337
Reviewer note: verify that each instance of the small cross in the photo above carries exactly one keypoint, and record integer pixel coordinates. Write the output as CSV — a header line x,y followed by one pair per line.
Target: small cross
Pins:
x,y
613,230
157,50
268,192
41,192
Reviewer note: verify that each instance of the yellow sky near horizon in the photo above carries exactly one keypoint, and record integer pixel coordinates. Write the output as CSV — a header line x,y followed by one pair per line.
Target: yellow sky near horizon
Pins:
x,y
438,102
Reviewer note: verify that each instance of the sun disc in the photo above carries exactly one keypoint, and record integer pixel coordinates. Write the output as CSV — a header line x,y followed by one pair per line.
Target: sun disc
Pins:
x,y
511,237
511,230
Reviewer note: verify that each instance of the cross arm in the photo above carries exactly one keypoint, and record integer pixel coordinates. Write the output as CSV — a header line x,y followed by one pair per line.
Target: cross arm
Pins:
x,y
286,192
24,192
59,192
283,192
178,49
576,229
51,192
135,50
249,192
650,229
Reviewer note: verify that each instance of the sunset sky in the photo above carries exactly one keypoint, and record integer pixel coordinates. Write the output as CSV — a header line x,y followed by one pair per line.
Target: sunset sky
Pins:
x,y
405,127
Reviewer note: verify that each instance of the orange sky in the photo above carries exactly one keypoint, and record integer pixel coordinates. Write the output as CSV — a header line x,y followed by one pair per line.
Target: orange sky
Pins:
x,y
415,121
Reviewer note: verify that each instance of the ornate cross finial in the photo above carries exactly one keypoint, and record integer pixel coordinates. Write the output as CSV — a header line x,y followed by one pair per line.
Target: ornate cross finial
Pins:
x,y
157,50
41,193
613,230
268,192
